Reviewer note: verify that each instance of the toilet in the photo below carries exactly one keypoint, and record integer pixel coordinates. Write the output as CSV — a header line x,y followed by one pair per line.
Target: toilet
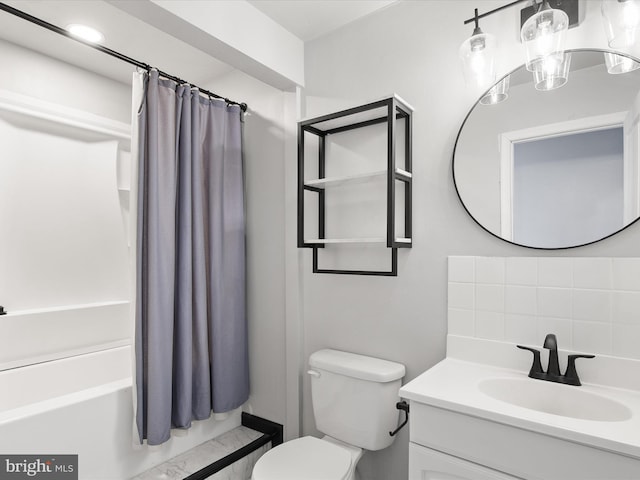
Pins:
x,y
354,404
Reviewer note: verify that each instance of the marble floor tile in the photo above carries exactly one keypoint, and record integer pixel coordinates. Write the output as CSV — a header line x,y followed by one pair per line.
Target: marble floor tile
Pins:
x,y
208,452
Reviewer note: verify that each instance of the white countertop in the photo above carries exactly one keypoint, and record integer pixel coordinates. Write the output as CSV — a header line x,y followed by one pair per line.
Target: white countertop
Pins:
x,y
453,384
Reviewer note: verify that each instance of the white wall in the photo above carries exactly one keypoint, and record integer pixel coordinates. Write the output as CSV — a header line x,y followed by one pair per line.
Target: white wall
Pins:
x,y
30,73
411,48
51,262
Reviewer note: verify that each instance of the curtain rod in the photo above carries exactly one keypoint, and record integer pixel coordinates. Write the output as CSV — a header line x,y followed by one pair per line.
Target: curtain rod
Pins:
x,y
108,51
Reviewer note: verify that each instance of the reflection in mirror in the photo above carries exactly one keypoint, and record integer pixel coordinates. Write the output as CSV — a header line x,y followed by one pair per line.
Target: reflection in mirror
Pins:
x,y
555,169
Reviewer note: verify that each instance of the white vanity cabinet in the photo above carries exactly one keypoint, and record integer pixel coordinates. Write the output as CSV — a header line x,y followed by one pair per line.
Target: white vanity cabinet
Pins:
x,y
459,433
428,464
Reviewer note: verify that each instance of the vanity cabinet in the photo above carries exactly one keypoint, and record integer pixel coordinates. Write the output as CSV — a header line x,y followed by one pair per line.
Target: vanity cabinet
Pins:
x,y
338,153
450,443
428,464
459,431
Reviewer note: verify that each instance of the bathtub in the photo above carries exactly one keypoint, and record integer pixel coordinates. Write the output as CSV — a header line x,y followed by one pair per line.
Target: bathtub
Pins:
x,y
83,405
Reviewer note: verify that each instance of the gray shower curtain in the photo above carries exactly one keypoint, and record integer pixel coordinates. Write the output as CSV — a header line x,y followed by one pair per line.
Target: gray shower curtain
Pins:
x,y
190,317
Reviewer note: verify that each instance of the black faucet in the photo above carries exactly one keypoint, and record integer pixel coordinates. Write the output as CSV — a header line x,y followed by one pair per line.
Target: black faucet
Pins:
x,y
552,374
550,343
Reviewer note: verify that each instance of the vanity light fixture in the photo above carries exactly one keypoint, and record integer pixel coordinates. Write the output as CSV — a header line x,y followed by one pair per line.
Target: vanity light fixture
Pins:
x,y
478,57
498,93
617,64
621,22
543,36
544,26
85,32
552,72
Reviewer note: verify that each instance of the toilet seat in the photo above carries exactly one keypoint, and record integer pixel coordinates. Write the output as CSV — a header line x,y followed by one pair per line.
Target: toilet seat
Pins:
x,y
306,458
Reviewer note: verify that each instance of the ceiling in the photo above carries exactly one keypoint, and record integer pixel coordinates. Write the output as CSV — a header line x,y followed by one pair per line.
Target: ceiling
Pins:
x,y
123,33
310,19
307,19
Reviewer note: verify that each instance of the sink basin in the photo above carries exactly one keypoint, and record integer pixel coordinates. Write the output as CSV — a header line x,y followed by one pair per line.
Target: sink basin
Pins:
x,y
554,398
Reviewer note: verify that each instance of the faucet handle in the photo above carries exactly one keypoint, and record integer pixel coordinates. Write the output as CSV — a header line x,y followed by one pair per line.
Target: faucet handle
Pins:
x,y
571,375
536,366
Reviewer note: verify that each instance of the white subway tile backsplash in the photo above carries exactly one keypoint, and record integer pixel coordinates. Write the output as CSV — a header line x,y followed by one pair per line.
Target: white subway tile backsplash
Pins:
x,y
626,274
461,322
490,298
490,270
626,341
522,300
561,327
554,302
593,337
461,269
520,329
555,272
592,305
461,295
521,271
490,325
592,273
626,307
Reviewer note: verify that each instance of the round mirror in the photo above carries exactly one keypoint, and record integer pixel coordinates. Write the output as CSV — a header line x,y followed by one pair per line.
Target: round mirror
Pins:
x,y
554,167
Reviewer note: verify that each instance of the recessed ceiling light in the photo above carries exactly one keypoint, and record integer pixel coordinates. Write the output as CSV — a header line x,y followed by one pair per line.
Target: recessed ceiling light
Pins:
x,y
85,33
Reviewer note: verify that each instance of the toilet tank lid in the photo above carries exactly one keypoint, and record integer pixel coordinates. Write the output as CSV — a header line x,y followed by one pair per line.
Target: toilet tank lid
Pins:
x,y
357,366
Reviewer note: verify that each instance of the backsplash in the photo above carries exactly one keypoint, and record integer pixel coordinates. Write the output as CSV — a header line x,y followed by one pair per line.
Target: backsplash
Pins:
x,y
591,304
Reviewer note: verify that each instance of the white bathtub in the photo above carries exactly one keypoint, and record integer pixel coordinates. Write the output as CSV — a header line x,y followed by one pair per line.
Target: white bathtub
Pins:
x,y
83,405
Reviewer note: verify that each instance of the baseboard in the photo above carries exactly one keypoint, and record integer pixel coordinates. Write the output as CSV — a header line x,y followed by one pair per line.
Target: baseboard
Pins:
x,y
264,426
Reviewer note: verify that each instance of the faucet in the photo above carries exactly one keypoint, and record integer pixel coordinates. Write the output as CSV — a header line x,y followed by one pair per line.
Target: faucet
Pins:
x,y
552,374
550,343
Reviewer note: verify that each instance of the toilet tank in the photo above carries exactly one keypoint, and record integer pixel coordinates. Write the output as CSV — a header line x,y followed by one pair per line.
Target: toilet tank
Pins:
x,y
354,397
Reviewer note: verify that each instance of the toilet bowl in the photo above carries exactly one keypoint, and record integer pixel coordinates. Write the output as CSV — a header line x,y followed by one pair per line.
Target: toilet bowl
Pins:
x,y
308,458
354,398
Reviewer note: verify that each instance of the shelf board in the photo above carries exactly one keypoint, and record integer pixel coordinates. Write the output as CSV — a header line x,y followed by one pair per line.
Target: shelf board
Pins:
x,y
355,115
383,240
353,179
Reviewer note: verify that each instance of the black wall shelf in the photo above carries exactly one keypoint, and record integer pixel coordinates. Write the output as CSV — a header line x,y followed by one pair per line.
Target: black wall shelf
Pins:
x,y
389,110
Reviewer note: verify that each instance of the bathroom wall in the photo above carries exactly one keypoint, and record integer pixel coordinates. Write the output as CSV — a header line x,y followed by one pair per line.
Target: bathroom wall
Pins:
x,y
411,48
90,297
46,78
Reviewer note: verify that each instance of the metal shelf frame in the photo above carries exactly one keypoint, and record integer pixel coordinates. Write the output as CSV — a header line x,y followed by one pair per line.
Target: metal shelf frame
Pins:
x,y
388,110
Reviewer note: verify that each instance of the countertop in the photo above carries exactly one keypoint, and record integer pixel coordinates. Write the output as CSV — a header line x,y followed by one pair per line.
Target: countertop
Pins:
x,y
453,384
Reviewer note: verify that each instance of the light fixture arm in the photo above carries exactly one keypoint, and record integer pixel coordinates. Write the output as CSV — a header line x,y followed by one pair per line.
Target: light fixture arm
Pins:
x,y
544,5
477,17
476,30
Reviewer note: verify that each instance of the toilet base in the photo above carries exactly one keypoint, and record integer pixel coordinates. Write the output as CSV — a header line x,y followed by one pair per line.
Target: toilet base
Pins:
x,y
355,452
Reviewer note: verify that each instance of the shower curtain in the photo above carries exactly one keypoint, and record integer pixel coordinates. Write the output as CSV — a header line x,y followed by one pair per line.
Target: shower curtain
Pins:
x,y
190,315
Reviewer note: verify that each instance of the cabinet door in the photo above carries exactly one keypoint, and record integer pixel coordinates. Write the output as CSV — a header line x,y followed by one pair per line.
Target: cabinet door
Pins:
x,y
427,464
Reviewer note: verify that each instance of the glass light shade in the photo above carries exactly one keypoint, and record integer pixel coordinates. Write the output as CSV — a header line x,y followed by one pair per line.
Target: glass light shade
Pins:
x,y
543,34
477,54
552,72
617,64
621,22
498,93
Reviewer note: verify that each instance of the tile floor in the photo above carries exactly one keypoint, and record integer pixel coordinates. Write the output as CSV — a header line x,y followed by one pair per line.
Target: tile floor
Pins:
x,y
199,457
